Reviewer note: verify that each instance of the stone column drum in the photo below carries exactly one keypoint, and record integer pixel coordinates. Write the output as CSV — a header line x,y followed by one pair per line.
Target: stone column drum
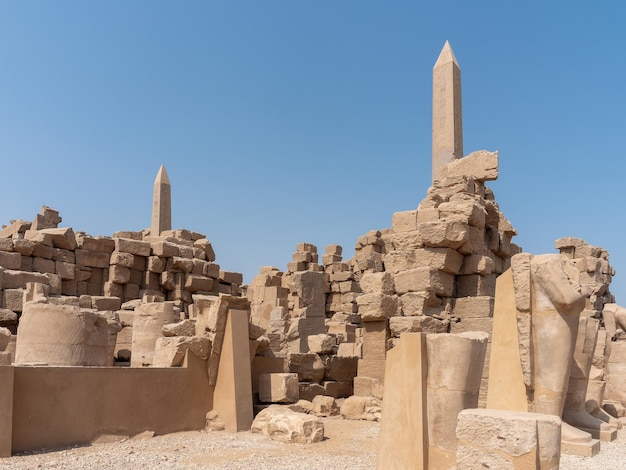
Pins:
x,y
147,328
61,335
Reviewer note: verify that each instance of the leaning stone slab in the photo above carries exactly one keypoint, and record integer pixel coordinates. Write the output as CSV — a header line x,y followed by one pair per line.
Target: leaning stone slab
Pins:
x,y
284,425
507,439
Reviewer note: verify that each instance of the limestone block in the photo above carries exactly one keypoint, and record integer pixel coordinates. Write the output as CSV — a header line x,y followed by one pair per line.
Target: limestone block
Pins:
x,y
134,247
92,259
179,264
472,324
231,277
340,369
10,260
362,408
6,244
122,259
205,245
42,250
61,335
321,343
338,389
404,221
26,264
102,303
281,424
373,368
156,264
24,247
473,307
60,237
417,303
182,328
376,307
444,233
300,329
415,324
42,265
334,250
309,286
481,166
8,318
65,270
349,350
67,256
377,282
279,388
324,406
478,264
368,387
308,391
425,279
170,351
54,282
507,439
308,366
119,274
476,285
195,283
164,249
111,289
17,279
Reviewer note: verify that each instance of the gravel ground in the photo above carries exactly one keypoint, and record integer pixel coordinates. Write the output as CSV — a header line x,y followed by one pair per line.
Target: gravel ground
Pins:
x,y
348,445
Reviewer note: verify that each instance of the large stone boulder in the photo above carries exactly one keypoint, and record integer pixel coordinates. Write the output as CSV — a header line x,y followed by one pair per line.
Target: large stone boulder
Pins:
x,y
284,425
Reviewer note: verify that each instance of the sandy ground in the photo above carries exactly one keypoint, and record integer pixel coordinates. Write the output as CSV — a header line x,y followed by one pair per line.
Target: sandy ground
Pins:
x,y
347,445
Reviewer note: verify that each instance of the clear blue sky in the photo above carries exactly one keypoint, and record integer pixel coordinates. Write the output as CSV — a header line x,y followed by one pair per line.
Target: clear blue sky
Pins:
x,y
288,121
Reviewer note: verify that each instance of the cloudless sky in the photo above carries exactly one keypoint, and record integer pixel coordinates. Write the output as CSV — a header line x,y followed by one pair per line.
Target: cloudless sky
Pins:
x,y
288,121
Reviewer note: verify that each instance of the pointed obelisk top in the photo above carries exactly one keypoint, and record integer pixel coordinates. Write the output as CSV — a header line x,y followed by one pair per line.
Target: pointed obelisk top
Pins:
x,y
447,112
161,204
161,176
446,55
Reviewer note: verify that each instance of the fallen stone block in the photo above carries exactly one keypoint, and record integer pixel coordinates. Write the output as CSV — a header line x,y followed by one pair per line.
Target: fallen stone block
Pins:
x,y
281,424
361,407
182,328
322,343
325,406
170,351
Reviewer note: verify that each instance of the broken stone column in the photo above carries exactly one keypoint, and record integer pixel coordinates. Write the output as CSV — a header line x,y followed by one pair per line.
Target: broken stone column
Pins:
x,y
148,323
61,335
429,379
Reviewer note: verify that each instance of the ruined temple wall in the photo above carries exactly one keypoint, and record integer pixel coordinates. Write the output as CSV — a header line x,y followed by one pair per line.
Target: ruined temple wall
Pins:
x,y
112,270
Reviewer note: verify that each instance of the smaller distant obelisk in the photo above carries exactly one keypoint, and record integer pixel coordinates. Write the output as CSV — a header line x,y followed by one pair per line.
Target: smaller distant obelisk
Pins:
x,y
161,204
447,114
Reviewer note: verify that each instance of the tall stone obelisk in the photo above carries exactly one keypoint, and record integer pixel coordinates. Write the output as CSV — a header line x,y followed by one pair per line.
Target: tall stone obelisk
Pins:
x,y
447,114
161,204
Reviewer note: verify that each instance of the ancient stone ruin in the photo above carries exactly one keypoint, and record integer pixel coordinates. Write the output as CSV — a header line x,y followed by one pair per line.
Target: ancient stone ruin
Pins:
x,y
439,325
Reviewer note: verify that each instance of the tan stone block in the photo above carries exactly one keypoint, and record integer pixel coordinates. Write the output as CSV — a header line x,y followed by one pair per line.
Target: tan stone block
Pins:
x,y
371,368
279,388
338,389
325,406
156,264
425,279
24,247
121,259
6,244
18,279
478,264
10,260
42,250
321,343
477,242
54,282
164,249
205,245
404,221
444,259
481,165
368,387
119,274
178,264
66,256
340,369
473,307
377,282
170,352
416,324
378,306
212,270
12,299
451,234
472,324
475,285
296,266
102,303
42,265
91,259
195,283
60,237
27,263
131,291
417,303
231,277
69,287
308,391
134,247
334,250
111,289
349,350
65,270
373,349
308,366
